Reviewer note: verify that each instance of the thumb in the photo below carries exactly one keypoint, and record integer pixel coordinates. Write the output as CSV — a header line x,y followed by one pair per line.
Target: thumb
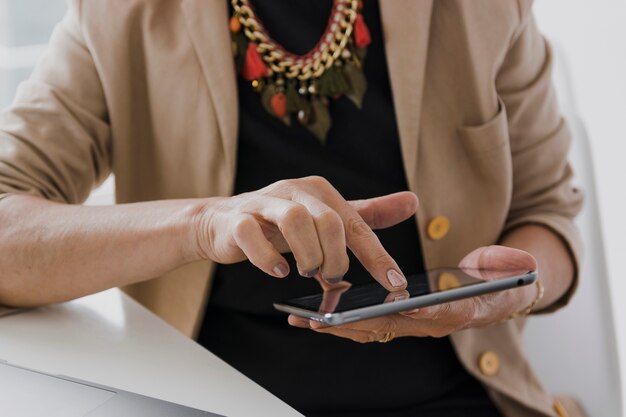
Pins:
x,y
388,210
498,258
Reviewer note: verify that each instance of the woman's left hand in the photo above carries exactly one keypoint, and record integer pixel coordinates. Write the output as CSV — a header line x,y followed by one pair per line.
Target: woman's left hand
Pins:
x,y
444,319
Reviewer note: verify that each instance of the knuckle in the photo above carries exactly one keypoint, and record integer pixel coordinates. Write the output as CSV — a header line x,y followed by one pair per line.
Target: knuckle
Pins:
x,y
295,216
330,222
308,263
359,229
381,260
336,268
289,182
281,184
282,187
318,181
243,227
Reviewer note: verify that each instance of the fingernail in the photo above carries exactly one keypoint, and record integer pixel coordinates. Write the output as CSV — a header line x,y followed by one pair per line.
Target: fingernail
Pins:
x,y
395,279
333,281
312,273
409,312
281,270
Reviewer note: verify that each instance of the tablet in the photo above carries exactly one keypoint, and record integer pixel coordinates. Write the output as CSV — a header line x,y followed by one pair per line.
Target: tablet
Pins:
x,y
359,302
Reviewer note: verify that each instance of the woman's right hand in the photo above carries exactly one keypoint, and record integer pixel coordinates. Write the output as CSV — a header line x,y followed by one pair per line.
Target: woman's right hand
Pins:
x,y
309,218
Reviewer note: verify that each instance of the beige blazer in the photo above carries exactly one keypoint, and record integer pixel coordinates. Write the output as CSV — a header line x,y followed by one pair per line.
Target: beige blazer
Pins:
x,y
146,90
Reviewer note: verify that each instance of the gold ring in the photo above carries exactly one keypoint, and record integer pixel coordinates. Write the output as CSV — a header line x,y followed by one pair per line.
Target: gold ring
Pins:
x,y
388,337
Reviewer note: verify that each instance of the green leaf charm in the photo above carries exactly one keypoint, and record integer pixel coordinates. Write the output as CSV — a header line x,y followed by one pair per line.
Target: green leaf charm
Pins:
x,y
361,54
358,84
333,82
266,97
320,123
295,102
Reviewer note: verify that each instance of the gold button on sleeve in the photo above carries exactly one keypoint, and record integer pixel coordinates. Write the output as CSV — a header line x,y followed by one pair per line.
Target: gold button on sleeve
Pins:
x,y
489,363
438,227
560,410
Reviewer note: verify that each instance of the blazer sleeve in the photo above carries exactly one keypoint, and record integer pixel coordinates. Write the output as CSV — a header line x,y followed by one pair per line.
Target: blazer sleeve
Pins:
x,y
540,140
55,137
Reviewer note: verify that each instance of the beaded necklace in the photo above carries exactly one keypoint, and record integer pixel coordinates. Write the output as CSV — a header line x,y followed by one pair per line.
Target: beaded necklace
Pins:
x,y
302,85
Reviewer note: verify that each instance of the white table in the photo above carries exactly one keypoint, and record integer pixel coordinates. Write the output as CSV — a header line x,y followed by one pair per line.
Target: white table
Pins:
x,y
111,340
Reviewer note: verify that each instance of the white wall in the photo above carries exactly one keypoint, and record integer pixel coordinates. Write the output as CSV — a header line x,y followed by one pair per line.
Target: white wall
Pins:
x,y
25,26
592,35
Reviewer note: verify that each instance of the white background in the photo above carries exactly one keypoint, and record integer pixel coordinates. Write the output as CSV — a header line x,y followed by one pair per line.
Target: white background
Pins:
x,y
590,33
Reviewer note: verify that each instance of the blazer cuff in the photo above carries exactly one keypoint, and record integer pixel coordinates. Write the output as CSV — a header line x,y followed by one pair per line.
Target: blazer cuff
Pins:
x,y
565,229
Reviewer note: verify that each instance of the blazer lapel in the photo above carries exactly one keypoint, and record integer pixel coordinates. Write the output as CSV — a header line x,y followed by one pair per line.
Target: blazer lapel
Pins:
x,y
406,26
207,23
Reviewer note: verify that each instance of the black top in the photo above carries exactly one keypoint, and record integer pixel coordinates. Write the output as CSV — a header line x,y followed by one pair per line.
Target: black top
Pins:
x,y
315,373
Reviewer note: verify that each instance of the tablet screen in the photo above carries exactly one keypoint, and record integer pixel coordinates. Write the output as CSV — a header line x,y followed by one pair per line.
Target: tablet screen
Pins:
x,y
365,295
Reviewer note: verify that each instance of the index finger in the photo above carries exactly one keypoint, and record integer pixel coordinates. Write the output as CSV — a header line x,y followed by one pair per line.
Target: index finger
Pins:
x,y
367,248
360,238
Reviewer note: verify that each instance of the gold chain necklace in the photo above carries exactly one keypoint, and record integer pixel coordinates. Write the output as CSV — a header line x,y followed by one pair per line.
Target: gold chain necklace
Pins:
x,y
301,85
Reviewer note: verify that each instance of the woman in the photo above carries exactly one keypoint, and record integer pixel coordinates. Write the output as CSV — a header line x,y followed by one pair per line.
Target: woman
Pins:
x,y
458,109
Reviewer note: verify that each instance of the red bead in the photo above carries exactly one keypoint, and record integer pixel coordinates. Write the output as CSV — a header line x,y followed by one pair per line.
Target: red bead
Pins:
x,y
235,24
254,67
279,104
362,37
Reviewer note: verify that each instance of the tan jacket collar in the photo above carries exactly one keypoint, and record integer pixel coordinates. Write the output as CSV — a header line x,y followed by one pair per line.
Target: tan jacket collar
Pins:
x,y
406,25
208,29
406,29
